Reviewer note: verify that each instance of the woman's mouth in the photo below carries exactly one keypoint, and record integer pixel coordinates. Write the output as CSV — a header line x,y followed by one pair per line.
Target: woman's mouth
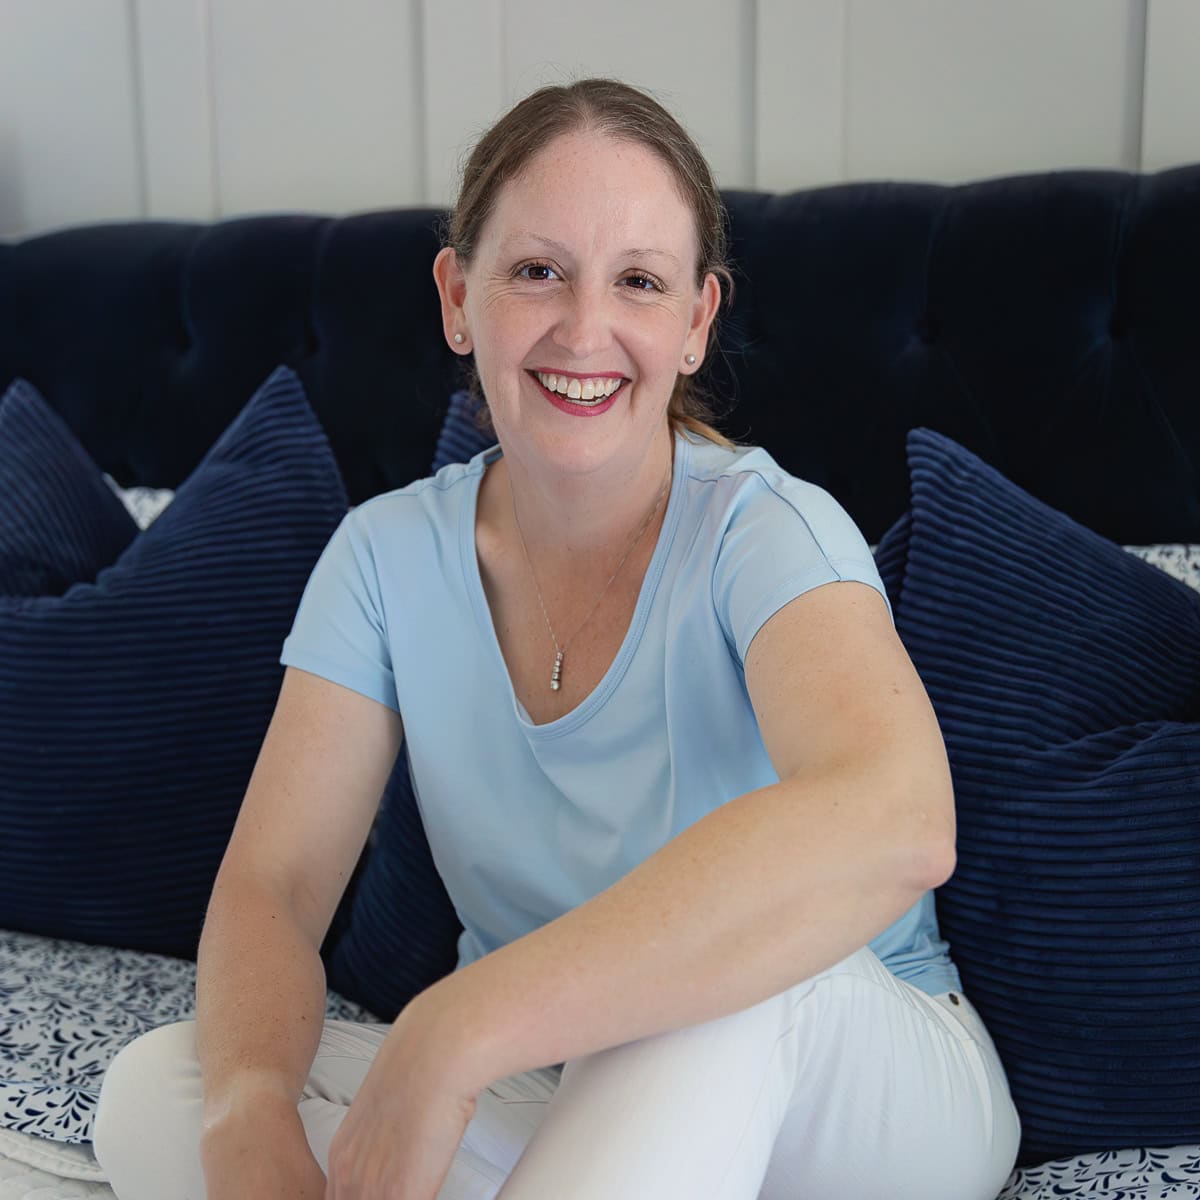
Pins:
x,y
588,395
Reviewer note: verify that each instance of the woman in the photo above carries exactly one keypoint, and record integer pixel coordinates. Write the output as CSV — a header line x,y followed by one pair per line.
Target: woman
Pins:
x,y
675,783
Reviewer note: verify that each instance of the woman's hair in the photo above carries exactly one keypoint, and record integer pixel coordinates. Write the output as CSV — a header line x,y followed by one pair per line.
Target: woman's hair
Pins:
x,y
620,111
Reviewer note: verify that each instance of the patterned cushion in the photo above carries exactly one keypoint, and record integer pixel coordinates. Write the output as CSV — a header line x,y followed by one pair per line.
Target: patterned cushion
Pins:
x,y
66,1008
1180,561
59,524
1066,677
144,504
1150,1173
132,708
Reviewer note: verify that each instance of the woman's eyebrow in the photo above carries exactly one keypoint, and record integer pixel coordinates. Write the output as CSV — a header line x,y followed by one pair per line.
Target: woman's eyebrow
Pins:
x,y
524,235
650,254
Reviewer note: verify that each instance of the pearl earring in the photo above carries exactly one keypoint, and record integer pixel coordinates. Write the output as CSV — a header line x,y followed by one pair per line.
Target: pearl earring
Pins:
x,y
690,360
458,337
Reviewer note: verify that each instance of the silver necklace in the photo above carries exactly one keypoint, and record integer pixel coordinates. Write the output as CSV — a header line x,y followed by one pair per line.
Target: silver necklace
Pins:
x,y
560,652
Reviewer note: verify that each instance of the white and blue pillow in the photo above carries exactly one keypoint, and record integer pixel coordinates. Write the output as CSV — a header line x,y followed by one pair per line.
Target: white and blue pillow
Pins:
x,y
1066,677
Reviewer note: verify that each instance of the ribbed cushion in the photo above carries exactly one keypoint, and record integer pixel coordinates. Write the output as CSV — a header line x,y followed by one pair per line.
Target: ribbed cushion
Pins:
x,y
132,708
402,930
1066,677
460,437
59,521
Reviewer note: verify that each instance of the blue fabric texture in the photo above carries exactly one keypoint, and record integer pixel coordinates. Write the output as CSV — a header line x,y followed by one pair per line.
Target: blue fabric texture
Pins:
x,y
1066,677
401,929
59,521
527,821
460,438
132,708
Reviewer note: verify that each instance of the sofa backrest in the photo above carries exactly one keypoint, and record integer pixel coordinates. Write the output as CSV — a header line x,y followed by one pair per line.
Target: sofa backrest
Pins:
x,y
1048,322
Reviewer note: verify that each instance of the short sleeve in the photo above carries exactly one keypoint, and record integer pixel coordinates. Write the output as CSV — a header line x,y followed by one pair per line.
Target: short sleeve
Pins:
x,y
339,631
783,537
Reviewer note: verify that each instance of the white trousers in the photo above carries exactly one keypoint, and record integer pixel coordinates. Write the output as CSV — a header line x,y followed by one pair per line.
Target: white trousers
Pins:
x,y
850,1086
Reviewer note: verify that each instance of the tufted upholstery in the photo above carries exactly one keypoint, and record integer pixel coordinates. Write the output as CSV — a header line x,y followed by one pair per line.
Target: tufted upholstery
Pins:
x,y
1047,322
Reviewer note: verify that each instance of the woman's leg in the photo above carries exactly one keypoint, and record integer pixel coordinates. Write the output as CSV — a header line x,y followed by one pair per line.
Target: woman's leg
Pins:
x,y
851,1084
147,1130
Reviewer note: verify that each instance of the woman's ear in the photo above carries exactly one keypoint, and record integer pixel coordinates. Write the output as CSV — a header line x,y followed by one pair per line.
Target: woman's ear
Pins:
x,y
703,312
452,291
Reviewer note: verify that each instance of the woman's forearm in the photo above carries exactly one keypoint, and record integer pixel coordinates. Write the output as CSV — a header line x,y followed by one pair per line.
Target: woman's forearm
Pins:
x,y
260,1001
768,890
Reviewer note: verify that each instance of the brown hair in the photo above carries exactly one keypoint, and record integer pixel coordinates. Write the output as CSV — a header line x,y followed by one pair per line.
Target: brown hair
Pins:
x,y
620,111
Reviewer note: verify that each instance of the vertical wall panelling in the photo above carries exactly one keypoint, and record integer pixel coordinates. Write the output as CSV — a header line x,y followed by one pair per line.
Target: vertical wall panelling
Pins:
x,y
1171,117
173,72
692,54
316,105
958,89
68,126
799,87
1135,85
463,52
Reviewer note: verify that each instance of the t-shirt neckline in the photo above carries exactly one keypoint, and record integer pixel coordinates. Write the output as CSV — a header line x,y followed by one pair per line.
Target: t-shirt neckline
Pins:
x,y
598,696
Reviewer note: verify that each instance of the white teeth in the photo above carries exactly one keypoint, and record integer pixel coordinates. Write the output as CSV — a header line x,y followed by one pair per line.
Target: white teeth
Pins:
x,y
582,391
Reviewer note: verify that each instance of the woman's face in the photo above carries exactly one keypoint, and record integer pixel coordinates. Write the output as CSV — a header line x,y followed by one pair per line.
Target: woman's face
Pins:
x,y
583,280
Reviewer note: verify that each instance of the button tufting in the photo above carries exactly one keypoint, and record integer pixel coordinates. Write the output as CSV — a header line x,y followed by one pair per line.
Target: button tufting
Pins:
x,y
927,328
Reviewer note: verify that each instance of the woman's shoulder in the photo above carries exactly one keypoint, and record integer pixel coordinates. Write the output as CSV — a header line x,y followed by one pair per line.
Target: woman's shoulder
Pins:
x,y
434,499
745,482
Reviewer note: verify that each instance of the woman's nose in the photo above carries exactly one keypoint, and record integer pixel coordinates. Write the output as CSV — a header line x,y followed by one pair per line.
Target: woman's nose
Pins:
x,y
583,326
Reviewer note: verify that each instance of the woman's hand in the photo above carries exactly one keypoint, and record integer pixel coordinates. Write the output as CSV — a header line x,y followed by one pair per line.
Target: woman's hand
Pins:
x,y
261,1153
398,1139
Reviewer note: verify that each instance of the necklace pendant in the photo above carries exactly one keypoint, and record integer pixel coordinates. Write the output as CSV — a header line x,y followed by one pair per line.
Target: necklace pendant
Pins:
x,y
556,674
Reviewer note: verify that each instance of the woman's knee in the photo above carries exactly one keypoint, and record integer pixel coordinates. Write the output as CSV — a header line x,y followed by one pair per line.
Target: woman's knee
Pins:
x,y
150,1107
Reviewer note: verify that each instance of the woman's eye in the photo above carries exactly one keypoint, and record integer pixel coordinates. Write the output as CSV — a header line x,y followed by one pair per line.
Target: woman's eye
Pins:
x,y
642,283
539,272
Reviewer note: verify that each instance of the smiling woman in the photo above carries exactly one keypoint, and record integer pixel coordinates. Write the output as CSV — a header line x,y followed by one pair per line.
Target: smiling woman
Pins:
x,y
692,831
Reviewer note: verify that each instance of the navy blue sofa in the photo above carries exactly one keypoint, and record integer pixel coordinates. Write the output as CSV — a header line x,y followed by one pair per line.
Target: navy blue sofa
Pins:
x,y
1050,324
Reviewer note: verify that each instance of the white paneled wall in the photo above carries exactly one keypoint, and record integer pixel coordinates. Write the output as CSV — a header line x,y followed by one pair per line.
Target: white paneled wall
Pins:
x,y
173,61
198,109
977,88
1172,129
316,105
70,145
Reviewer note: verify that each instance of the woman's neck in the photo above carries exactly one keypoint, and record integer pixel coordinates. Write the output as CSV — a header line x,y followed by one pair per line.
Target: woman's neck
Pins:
x,y
579,523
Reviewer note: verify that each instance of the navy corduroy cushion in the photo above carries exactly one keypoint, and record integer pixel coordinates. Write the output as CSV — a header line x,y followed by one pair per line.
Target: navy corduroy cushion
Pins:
x,y
402,930
460,437
132,708
59,521
1066,677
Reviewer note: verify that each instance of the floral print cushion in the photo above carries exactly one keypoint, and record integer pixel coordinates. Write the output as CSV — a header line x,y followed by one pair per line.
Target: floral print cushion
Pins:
x,y
66,1008
1180,560
1158,1174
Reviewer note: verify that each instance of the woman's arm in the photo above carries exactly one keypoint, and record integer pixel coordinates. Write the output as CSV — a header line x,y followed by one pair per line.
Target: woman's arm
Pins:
x,y
260,988
769,889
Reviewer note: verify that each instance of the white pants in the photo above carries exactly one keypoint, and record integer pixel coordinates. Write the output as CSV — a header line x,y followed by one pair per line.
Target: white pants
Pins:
x,y
850,1086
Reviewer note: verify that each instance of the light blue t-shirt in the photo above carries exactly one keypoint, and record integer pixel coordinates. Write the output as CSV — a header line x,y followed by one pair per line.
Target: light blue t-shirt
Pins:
x,y
527,821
